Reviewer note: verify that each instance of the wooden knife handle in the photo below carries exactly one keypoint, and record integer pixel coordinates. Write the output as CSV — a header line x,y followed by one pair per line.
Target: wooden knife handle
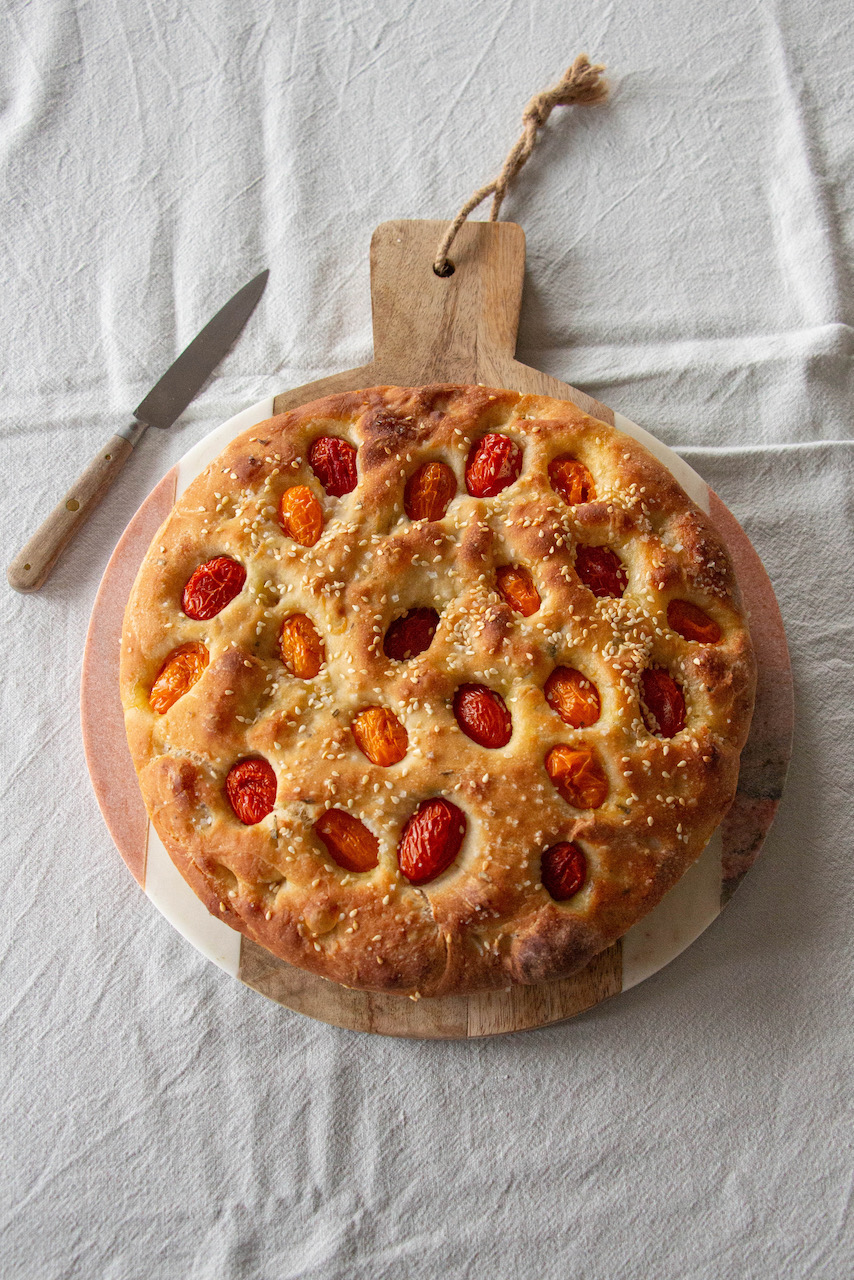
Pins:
x,y
32,565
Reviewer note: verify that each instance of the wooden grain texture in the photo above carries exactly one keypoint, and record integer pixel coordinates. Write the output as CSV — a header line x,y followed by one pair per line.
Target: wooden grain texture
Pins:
x,y
489,1013
461,328
33,563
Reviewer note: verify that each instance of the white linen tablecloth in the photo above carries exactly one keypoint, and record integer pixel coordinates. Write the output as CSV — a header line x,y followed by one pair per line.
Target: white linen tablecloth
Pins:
x,y
689,263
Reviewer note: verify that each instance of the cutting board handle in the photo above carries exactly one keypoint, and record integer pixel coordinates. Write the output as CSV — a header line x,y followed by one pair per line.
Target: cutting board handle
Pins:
x,y
458,328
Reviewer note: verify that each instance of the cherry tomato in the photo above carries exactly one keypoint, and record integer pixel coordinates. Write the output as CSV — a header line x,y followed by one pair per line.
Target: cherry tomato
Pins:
x,y
573,697
380,736
664,713
431,840
348,841
482,715
181,670
333,461
493,464
251,790
516,585
301,515
577,775
601,569
563,870
429,491
211,587
571,479
410,634
301,647
692,623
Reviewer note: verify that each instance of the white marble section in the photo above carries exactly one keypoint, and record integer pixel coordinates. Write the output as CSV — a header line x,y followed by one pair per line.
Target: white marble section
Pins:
x,y
195,461
694,485
681,916
174,899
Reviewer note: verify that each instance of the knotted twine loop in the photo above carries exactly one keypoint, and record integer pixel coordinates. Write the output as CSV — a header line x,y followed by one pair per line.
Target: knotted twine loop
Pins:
x,y
582,83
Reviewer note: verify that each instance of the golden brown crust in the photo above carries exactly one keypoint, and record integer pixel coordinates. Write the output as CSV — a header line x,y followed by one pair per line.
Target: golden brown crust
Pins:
x,y
487,920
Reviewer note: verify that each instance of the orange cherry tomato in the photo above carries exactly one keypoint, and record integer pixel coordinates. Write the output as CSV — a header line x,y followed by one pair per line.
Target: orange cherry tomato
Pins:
x,y
380,736
571,479
429,491
301,515
181,670
348,841
516,585
577,775
301,647
573,697
690,622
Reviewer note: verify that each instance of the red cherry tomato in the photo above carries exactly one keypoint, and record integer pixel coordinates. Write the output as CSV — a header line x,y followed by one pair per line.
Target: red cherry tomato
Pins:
x,y
665,704
431,840
251,790
333,461
482,715
601,569
410,634
211,587
563,870
493,464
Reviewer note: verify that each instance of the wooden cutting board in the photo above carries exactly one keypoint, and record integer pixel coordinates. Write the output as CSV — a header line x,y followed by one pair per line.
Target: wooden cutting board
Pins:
x,y
460,328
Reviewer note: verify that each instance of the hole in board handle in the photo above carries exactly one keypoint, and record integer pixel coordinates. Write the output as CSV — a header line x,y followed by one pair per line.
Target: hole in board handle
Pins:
x,y
447,270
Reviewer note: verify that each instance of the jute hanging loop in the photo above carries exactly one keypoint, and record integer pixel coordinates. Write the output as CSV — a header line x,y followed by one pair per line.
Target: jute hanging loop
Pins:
x,y
582,83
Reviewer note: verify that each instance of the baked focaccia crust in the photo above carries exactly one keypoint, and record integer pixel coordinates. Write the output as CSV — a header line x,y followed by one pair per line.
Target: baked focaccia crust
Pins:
x,y
488,919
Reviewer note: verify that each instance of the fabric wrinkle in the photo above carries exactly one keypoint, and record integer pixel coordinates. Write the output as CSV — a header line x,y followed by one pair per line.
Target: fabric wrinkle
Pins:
x,y
688,263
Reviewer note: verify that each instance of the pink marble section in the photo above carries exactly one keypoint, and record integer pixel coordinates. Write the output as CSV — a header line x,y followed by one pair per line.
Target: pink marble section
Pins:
x,y
765,759
110,766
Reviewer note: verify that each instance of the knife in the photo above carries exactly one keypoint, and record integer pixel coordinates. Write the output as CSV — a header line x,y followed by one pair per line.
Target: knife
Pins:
x,y
166,401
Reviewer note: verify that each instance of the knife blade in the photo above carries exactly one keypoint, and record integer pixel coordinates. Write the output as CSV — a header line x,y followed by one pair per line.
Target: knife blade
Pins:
x,y
165,402
169,397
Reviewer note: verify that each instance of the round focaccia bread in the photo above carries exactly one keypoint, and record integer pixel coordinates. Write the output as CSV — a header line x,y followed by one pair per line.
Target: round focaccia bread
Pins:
x,y
435,689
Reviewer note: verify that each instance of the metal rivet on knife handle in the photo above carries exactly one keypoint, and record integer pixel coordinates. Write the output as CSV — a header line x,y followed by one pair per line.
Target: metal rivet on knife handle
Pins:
x,y
34,562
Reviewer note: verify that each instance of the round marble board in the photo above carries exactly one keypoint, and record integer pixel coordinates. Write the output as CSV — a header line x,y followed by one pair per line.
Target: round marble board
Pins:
x,y
686,911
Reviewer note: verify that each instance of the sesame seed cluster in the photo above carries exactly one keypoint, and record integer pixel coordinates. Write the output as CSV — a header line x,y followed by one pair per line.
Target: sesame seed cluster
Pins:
x,y
504,821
